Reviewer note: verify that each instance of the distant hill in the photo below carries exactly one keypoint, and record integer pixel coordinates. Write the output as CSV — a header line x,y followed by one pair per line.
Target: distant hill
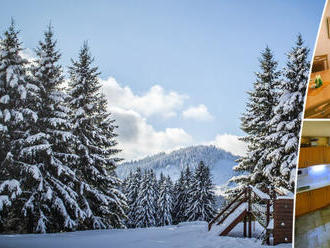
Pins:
x,y
219,161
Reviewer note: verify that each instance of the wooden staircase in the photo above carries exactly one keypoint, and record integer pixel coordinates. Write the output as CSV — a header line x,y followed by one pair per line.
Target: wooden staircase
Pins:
x,y
272,210
229,227
236,211
250,204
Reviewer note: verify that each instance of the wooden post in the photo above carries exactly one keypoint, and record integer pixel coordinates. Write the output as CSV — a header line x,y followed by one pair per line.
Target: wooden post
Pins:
x,y
245,218
268,218
244,227
273,193
249,213
272,203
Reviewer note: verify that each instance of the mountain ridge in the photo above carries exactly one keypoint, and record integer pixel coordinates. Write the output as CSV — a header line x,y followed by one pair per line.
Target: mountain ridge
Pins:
x,y
219,161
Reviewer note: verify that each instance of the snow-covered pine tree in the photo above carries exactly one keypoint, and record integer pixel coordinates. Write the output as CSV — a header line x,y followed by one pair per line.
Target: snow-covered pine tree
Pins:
x,y
188,183
161,179
182,195
256,123
15,117
126,182
147,200
93,128
179,193
287,120
201,204
132,191
42,154
13,90
170,182
165,202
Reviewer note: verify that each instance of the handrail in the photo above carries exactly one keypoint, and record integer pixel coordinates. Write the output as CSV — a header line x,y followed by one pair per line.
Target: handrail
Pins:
x,y
231,211
225,209
259,193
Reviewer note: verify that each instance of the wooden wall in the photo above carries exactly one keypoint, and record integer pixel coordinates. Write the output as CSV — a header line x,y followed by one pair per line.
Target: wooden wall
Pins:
x,y
283,220
312,200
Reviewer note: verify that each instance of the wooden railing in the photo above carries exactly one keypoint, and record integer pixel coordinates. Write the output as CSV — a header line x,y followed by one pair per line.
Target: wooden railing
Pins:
x,y
226,209
226,214
261,205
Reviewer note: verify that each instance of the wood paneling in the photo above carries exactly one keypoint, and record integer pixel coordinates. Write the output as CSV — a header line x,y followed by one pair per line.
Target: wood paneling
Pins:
x,y
313,155
303,203
318,198
327,155
312,200
283,219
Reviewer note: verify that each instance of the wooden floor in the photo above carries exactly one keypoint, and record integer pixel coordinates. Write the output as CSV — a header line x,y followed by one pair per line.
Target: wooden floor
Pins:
x,y
313,229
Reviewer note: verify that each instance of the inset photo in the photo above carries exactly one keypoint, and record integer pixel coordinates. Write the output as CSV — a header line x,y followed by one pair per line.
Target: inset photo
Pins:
x,y
318,94
312,224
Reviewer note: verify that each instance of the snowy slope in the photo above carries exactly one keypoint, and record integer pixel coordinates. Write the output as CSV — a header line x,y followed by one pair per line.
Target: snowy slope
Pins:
x,y
192,235
219,161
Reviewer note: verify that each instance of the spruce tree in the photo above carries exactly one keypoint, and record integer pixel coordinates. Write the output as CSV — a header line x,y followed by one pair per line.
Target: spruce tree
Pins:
x,y
147,201
201,204
42,154
182,195
15,117
286,122
165,202
180,205
132,191
161,180
13,89
255,122
95,143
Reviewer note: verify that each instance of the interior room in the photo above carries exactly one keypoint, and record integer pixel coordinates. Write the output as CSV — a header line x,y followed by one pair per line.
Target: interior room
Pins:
x,y
312,226
318,96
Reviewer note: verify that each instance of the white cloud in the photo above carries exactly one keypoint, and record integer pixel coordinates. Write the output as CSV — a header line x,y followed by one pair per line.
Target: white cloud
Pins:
x,y
27,54
156,101
197,113
137,138
230,143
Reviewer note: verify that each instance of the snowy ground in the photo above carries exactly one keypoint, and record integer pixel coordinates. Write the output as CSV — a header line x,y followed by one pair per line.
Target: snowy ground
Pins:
x,y
192,235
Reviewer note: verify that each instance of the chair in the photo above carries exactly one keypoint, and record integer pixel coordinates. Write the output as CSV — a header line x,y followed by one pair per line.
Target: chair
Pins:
x,y
320,63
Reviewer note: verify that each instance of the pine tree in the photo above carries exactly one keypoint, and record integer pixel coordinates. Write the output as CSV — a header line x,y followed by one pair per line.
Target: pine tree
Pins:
x,y
288,117
202,199
182,195
256,123
132,191
15,116
53,202
13,90
95,146
179,200
42,154
165,202
161,180
147,201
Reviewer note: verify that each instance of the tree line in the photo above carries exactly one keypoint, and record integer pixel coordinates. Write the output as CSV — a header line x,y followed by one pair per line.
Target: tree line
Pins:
x,y
153,202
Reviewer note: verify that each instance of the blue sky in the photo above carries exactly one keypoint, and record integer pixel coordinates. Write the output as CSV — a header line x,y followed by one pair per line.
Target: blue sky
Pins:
x,y
202,56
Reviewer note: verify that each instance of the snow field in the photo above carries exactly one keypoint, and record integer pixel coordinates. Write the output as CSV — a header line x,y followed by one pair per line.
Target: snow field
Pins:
x,y
187,234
